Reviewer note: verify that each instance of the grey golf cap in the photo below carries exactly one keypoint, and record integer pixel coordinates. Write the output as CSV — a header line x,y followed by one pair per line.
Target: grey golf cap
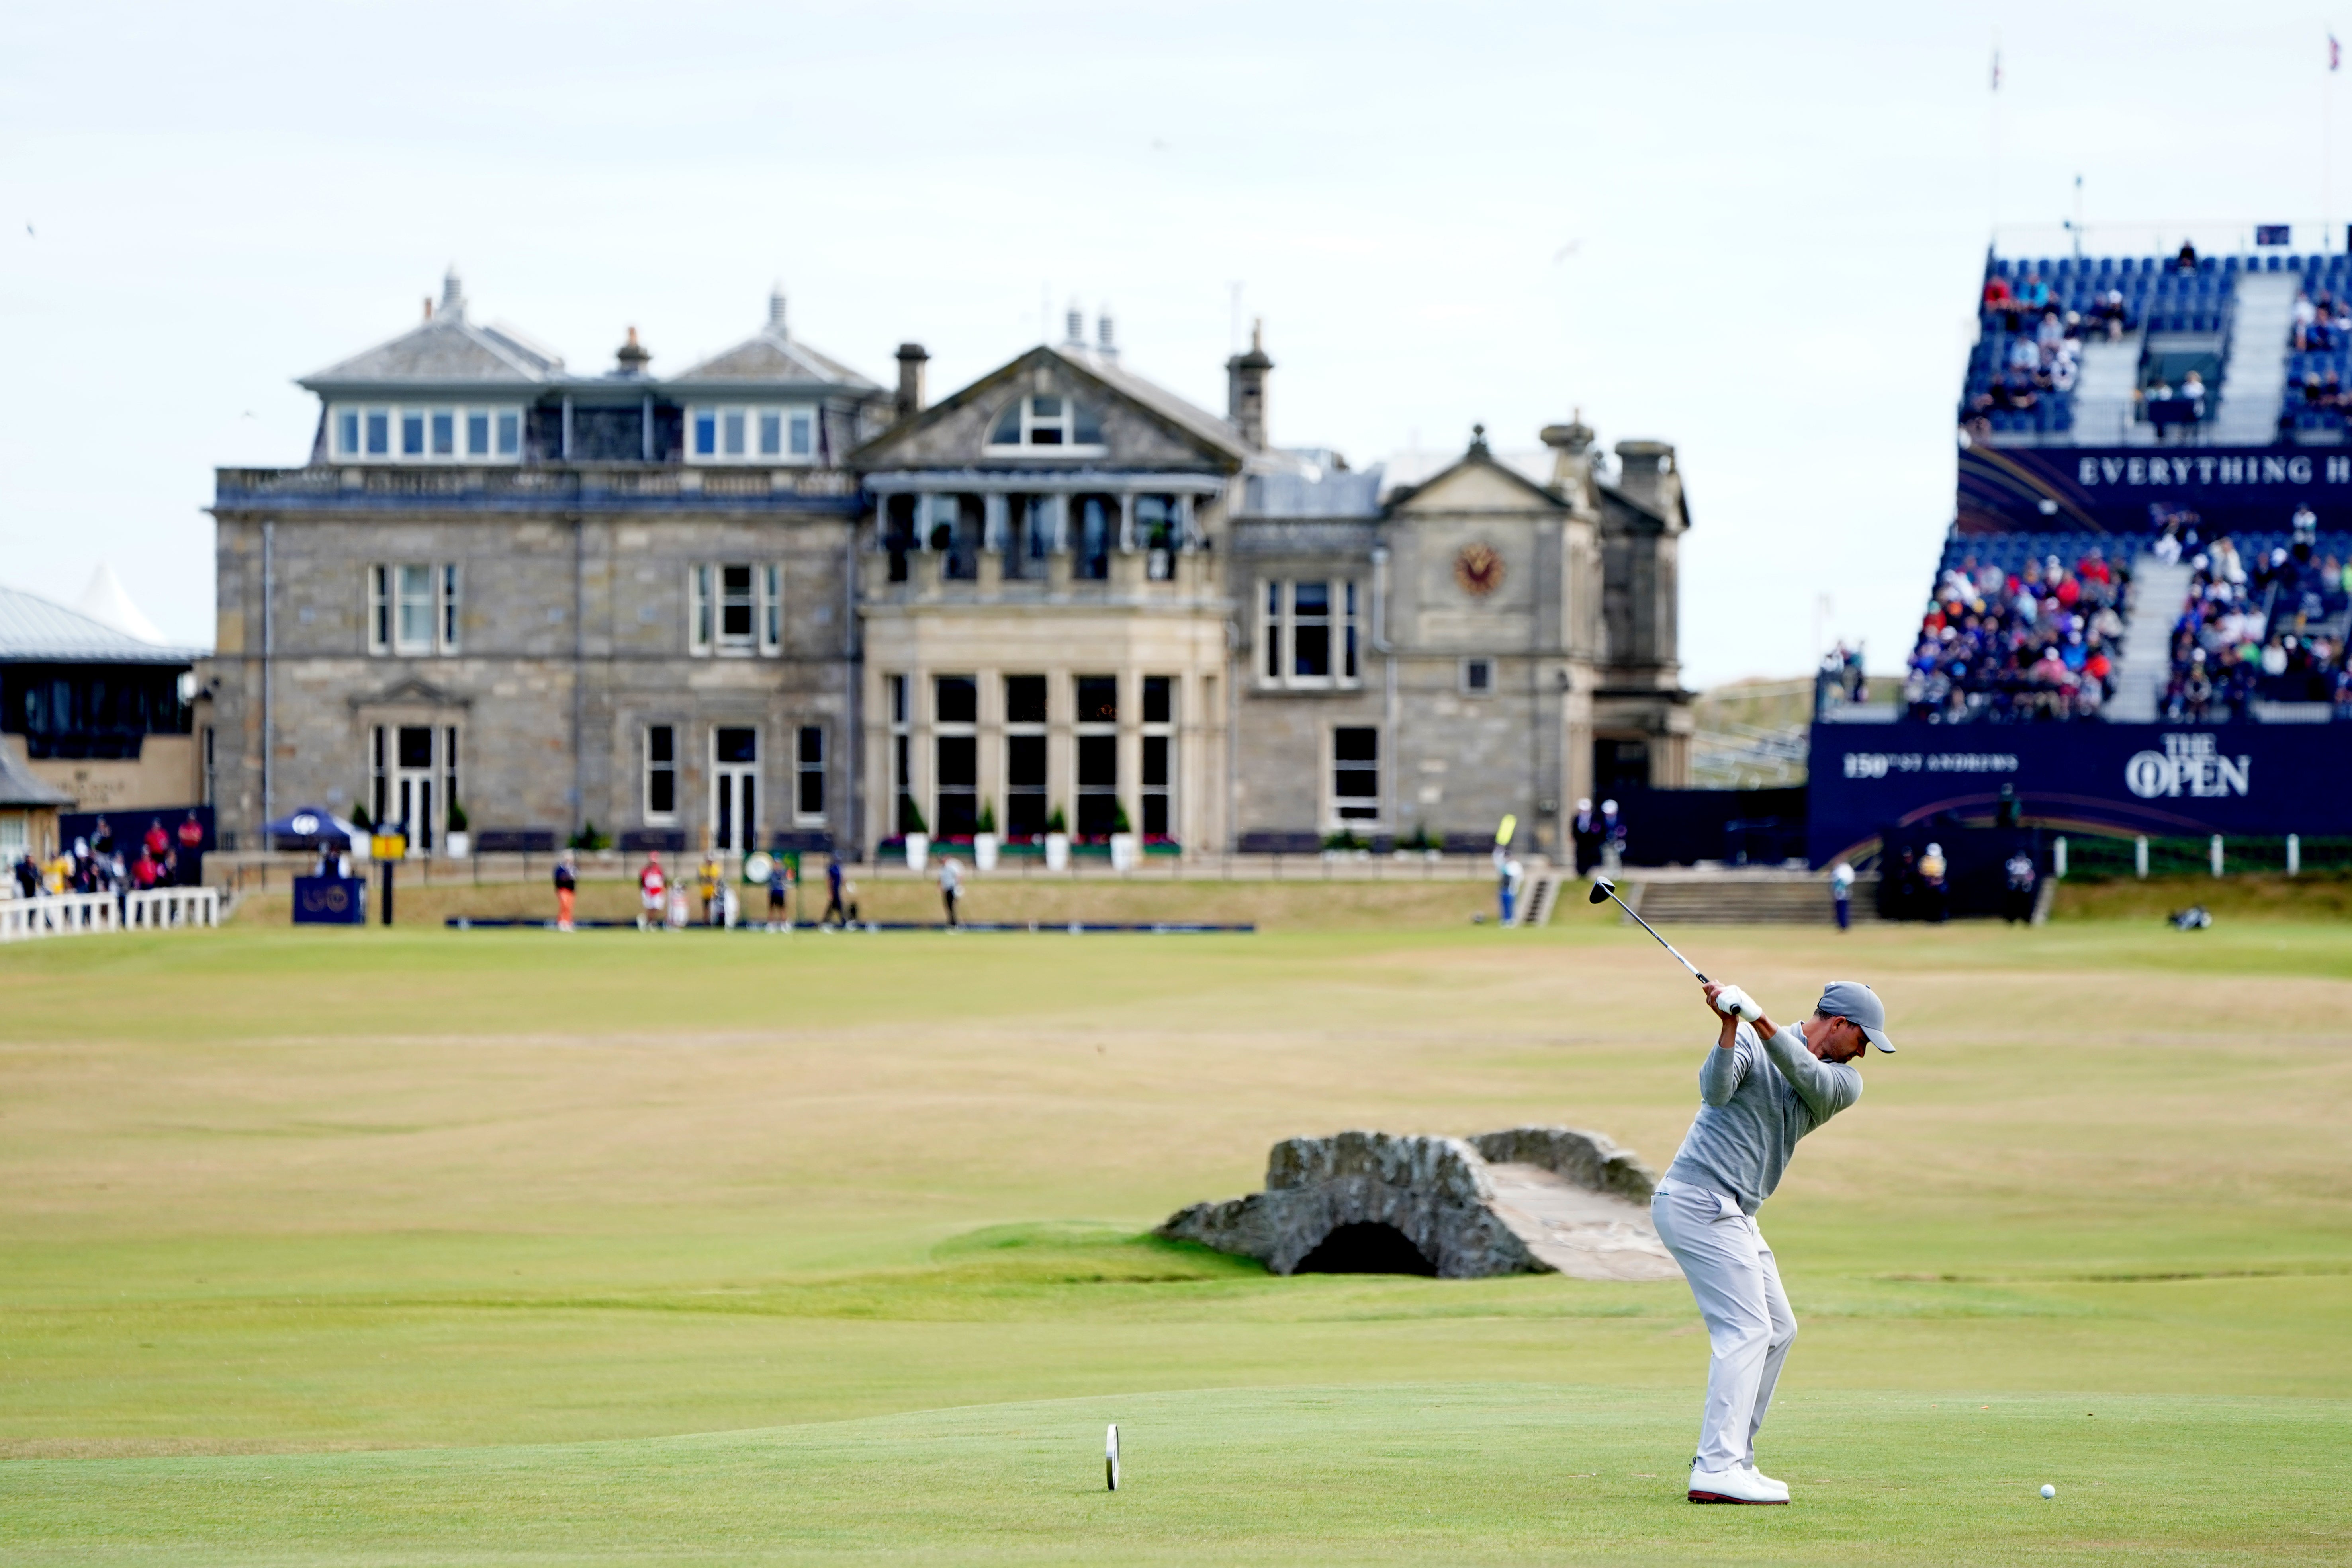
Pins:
x,y
1852,1001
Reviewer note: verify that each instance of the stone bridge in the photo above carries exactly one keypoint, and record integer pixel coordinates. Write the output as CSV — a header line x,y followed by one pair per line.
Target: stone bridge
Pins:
x,y
1523,1200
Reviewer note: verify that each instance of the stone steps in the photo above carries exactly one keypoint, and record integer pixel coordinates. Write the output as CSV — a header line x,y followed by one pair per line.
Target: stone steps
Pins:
x,y
1736,900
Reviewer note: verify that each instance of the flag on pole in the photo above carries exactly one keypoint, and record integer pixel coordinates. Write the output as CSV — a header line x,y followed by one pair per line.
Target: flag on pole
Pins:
x,y
2334,53
1996,67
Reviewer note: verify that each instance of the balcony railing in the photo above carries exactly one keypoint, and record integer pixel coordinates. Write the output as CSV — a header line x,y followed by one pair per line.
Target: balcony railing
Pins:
x,y
621,487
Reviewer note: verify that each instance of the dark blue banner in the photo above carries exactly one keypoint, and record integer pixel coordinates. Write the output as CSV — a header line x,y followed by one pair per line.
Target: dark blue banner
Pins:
x,y
2128,489
2163,780
330,900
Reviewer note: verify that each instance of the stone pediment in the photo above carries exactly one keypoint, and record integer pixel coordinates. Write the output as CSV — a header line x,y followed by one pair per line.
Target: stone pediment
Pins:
x,y
411,692
1476,484
1139,425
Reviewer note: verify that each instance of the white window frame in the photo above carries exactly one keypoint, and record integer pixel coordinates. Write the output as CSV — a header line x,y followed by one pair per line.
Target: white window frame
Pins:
x,y
795,427
1276,660
648,767
1162,730
802,768
349,426
701,609
726,642
771,608
448,605
1064,422
1333,821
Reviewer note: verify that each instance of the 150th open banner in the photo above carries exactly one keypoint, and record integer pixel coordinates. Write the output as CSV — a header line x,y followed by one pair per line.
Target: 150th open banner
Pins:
x,y
2262,780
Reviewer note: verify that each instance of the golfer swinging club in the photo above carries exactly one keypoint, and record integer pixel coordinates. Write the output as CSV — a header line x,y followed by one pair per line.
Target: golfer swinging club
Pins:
x,y
1761,1090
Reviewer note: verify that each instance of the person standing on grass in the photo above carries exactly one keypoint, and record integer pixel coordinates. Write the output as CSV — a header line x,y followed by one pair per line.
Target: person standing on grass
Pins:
x,y
1841,893
835,913
951,884
712,875
1763,1088
780,893
651,885
567,886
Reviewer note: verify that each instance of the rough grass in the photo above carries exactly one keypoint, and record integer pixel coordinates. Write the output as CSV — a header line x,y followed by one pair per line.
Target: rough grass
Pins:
x,y
2321,895
410,1246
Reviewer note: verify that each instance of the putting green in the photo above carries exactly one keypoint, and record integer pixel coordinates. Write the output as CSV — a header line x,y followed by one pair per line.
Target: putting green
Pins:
x,y
361,1246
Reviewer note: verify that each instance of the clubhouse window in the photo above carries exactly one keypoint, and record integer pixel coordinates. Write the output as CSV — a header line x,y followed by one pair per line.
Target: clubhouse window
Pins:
x,y
719,434
413,609
1477,677
734,607
450,435
808,761
1025,757
1355,775
661,775
1047,422
1158,785
1097,754
1308,632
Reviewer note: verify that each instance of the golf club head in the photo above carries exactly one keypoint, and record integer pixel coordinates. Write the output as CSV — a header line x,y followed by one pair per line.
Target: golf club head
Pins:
x,y
1603,890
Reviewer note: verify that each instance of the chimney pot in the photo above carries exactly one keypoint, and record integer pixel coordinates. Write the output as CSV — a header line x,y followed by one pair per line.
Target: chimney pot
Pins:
x,y
633,356
776,311
911,357
1102,338
1246,377
1075,326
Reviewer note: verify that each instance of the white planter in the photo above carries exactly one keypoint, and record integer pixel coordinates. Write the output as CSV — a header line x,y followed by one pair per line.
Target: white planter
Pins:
x,y
983,850
457,843
918,850
1058,851
1126,852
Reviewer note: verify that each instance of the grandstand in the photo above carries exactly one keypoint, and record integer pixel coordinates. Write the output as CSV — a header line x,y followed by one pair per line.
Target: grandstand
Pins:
x,y
2151,519
2137,623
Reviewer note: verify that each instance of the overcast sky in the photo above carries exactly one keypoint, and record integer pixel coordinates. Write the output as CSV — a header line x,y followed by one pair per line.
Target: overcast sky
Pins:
x,y
1754,232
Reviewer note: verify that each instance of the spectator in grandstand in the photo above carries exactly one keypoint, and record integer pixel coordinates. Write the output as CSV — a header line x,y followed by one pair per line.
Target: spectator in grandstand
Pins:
x,y
2305,524
2305,318
2002,648
2187,260
2192,391
2033,293
2108,315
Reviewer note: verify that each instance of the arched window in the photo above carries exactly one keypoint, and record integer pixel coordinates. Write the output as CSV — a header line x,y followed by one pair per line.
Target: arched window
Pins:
x,y
1046,420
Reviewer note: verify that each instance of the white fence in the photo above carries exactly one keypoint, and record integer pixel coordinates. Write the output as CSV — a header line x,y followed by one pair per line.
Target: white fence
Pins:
x,y
84,913
165,906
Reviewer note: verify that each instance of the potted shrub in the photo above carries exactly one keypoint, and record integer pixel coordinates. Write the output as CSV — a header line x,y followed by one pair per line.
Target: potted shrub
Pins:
x,y
985,840
459,842
917,840
1058,840
1126,846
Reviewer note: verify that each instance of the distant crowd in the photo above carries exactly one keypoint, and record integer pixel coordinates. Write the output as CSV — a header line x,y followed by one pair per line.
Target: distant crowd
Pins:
x,y
2015,646
2263,624
102,862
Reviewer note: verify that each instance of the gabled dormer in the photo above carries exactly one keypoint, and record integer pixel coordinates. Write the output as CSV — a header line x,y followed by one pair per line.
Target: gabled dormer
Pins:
x,y
771,401
448,391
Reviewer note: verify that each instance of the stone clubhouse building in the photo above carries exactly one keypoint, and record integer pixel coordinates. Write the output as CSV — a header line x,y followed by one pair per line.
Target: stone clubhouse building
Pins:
x,y
767,603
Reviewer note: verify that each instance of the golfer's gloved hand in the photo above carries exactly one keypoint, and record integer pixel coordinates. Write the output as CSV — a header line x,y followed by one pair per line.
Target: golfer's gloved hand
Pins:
x,y
1732,999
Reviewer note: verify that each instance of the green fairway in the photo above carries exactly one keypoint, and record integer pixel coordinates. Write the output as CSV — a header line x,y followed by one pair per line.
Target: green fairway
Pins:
x,y
423,1246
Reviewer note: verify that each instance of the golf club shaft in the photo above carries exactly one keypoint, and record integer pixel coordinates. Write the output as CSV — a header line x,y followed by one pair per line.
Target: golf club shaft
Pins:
x,y
1645,925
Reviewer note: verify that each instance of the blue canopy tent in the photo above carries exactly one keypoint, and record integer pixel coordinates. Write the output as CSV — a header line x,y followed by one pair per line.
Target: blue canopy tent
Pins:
x,y
312,828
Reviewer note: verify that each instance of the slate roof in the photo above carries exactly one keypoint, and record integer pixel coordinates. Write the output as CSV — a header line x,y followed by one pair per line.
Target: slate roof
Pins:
x,y
446,350
1214,429
34,629
19,788
771,358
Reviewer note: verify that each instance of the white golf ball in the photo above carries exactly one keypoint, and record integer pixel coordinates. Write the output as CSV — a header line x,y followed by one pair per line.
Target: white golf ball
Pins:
x,y
2049,1491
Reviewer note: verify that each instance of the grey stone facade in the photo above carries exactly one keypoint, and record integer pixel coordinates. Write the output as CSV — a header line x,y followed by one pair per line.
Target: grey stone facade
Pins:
x,y
1059,595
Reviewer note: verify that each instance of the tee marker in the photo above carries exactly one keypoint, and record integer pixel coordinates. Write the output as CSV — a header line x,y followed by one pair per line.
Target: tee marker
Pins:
x,y
1110,1456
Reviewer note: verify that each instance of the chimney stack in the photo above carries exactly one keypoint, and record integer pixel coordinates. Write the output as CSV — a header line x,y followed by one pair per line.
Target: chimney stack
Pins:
x,y
910,379
1571,457
1246,388
1645,472
453,294
633,356
1103,340
1075,328
776,311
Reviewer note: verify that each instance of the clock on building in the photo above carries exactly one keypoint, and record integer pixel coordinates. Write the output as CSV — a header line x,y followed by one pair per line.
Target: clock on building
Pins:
x,y
1479,570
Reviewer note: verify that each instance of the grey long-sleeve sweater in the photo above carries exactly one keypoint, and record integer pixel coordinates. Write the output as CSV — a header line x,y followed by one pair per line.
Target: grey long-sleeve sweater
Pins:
x,y
1758,1098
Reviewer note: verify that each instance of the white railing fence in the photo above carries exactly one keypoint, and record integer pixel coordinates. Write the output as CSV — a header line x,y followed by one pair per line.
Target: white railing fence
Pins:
x,y
166,907
86,914
64,914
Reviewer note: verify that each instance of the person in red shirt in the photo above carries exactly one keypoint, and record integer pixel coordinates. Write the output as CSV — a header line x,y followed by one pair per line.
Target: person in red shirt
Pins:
x,y
143,870
567,885
651,886
157,841
192,845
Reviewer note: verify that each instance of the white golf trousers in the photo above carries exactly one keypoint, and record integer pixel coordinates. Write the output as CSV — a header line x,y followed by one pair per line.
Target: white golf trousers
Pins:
x,y
1749,1325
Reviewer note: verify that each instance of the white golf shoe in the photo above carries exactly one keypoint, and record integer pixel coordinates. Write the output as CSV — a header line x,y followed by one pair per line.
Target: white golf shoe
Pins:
x,y
1780,1486
1735,1486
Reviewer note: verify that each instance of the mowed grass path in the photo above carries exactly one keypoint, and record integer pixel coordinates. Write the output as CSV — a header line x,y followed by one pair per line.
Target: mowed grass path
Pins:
x,y
420,1246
